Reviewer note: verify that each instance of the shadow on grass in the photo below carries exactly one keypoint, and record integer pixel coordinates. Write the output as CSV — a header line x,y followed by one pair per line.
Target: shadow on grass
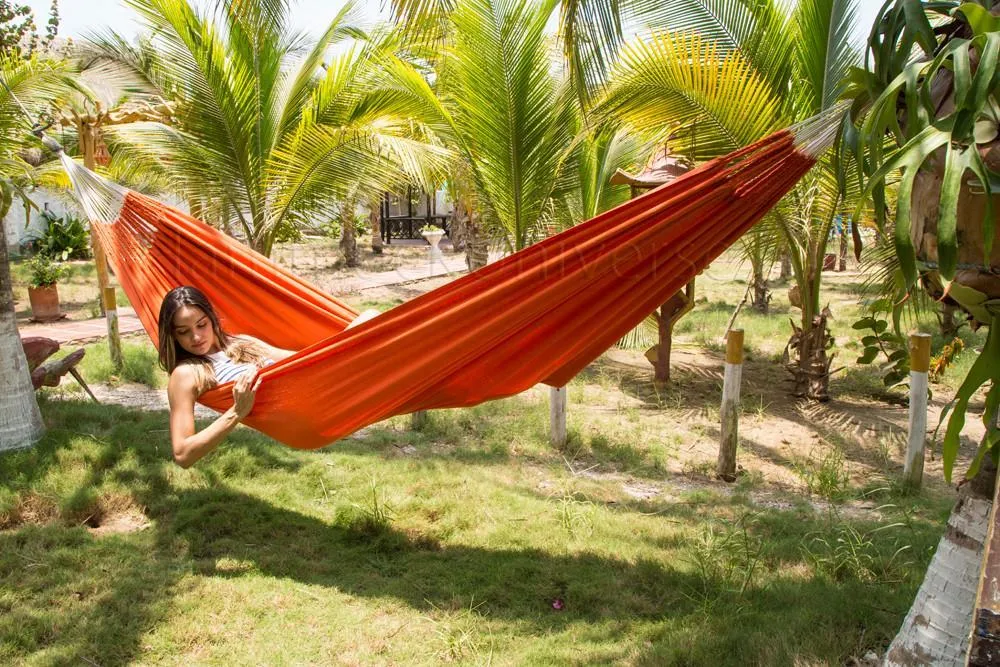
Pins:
x,y
70,597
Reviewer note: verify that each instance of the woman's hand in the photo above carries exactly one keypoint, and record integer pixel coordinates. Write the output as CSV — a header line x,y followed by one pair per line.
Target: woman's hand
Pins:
x,y
244,393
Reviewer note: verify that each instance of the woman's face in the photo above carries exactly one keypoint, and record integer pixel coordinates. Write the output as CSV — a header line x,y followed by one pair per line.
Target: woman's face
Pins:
x,y
193,331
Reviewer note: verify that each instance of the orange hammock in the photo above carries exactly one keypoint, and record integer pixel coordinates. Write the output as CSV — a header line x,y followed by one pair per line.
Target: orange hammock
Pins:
x,y
539,315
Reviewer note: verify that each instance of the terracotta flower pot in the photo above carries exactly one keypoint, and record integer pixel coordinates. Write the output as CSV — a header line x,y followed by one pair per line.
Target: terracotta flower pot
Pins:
x,y
44,303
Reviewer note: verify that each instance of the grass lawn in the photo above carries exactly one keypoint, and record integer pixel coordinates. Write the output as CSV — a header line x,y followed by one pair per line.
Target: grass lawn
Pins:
x,y
475,541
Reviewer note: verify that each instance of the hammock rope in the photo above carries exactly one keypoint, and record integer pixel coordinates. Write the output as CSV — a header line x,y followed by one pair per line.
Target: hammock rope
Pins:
x,y
539,315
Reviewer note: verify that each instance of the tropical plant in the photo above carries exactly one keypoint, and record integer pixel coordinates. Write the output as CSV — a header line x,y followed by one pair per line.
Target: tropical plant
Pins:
x,y
269,130
926,136
721,78
65,237
33,84
43,271
511,117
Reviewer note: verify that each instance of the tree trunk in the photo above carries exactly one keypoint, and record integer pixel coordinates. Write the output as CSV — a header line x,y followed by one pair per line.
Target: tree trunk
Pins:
x,y
375,219
760,295
20,419
936,629
806,358
672,310
842,259
946,319
786,266
459,223
477,247
349,235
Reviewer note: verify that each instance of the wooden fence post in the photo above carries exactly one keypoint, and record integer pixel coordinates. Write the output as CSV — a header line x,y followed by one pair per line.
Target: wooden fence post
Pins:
x,y
419,419
114,340
920,359
730,411
557,416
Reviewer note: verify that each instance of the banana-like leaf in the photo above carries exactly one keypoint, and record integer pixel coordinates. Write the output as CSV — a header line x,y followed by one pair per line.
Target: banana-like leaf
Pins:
x,y
985,369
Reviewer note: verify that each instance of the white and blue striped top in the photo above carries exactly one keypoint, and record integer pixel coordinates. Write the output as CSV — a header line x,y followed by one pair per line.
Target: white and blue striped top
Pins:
x,y
227,370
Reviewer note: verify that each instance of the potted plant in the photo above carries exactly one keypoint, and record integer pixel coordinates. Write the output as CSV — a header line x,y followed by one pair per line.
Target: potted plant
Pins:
x,y
432,233
43,292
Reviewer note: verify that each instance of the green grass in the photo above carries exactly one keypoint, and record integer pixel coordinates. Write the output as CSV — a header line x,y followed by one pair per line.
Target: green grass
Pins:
x,y
454,550
473,540
140,364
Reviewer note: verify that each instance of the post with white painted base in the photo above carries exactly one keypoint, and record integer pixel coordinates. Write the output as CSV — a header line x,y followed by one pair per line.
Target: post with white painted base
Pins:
x,y
920,361
557,416
730,411
114,340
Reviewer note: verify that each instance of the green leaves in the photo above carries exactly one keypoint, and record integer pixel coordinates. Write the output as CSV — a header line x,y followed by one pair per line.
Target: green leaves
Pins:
x,y
267,130
986,369
891,346
514,119
972,68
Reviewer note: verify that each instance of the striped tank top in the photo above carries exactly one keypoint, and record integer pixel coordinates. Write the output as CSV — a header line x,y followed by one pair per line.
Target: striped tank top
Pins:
x,y
227,370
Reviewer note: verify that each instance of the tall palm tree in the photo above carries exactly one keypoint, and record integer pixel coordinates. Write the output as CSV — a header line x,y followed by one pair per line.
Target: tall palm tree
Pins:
x,y
923,124
33,84
271,130
730,72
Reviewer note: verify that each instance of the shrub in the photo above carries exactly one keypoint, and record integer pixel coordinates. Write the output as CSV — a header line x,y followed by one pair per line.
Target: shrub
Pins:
x,y
43,271
64,238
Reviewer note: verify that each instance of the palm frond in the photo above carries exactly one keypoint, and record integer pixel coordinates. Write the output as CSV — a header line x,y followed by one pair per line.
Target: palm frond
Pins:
x,y
825,54
512,117
671,80
757,29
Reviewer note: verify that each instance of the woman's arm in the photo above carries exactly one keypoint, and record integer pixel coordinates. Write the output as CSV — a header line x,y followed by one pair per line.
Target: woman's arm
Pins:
x,y
189,446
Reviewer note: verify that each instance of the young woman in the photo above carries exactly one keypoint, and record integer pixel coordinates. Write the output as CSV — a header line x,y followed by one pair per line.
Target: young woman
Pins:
x,y
198,355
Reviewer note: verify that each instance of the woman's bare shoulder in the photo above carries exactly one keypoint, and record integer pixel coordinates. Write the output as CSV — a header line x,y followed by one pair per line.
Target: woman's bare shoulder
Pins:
x,y
184,378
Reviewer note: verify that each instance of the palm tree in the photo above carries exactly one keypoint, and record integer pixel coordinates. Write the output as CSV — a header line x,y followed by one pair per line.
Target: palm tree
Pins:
x,y
726,76
270,131
511,117
924,123
33,84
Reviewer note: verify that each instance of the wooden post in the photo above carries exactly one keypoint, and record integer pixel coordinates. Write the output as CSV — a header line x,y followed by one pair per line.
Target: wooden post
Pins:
x,y
419,419
730,411
557,416
114,340
88,129
920,359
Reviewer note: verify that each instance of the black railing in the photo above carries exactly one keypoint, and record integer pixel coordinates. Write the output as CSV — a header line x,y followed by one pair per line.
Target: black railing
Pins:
x,y
408,225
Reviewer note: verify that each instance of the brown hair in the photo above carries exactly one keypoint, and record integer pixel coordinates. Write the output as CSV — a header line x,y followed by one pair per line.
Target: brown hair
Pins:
x,y
172,355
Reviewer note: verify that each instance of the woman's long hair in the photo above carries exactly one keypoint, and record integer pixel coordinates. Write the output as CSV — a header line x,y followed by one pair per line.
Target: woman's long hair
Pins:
x,y
172,355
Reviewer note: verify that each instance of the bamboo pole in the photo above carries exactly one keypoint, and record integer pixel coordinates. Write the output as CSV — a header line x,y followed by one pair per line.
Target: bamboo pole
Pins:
x,y
920,358
730,411
557,416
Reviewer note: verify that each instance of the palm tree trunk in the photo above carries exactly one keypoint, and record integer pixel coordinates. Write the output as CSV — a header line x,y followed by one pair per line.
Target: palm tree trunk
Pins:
x,y
786,266
761,295
476,242
375,220
805,354
946,319
20,419
936,629
349,235
842,264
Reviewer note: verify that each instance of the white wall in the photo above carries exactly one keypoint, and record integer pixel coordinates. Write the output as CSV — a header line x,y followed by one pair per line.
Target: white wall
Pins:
x,y
14,222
